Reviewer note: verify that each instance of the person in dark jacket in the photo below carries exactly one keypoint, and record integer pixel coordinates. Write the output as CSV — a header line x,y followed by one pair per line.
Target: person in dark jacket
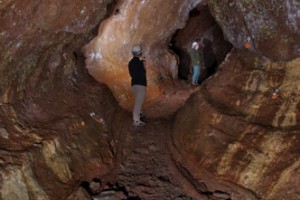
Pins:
x,y
195,62
137,73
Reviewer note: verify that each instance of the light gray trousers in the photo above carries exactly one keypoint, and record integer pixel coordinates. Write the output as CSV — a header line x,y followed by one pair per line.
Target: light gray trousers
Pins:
x,y
139,92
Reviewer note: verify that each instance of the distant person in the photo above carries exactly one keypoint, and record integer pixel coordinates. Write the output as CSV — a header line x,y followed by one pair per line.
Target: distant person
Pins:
x,y
195,62
137,73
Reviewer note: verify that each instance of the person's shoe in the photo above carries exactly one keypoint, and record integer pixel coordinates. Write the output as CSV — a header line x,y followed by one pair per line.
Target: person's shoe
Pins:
x,y
138,123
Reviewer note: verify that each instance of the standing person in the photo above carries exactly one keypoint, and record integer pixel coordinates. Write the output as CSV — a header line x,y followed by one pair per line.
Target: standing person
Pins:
x,y
195,62
137,73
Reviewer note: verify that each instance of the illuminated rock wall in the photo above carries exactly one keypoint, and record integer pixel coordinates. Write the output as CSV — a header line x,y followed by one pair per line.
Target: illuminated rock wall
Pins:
x,y
237,129
136,22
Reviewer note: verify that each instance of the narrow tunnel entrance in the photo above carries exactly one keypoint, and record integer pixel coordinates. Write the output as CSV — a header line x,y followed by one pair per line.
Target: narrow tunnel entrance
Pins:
x,y
150,176
201,26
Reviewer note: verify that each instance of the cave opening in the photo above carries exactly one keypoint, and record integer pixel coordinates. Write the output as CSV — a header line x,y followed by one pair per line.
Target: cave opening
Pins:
x,y
201,26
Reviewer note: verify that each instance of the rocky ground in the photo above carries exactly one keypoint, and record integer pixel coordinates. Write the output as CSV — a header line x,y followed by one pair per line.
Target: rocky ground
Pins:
x,y
147,170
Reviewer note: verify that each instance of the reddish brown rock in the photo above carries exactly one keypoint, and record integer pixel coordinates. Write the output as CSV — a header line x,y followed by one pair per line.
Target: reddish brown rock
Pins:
x,y
133,22
269,28
49,142
234,130
33,39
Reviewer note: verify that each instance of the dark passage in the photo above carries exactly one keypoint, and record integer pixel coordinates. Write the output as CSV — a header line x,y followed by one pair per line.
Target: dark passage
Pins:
x,y
200,26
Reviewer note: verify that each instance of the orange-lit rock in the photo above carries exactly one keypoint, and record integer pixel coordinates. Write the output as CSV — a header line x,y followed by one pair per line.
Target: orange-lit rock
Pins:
x,y
133,22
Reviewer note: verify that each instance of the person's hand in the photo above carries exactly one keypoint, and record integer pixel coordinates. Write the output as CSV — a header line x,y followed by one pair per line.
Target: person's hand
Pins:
x,y
143,59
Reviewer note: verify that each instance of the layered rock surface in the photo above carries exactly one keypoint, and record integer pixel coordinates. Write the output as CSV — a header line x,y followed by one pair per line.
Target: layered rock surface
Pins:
x,y
238,131
270,28
233,135
48,141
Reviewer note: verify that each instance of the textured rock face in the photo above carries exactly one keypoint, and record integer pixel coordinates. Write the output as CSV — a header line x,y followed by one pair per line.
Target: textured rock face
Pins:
x,y
270,28
49,145
236,130
33,34
233,130
48,141
135,22
255,26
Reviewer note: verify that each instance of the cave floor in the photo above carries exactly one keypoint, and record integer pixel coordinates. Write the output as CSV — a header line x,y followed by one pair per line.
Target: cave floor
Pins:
x,y
147,170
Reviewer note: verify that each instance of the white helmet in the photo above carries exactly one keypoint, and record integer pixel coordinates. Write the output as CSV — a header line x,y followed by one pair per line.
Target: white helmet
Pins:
x,y
136,50
194,44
